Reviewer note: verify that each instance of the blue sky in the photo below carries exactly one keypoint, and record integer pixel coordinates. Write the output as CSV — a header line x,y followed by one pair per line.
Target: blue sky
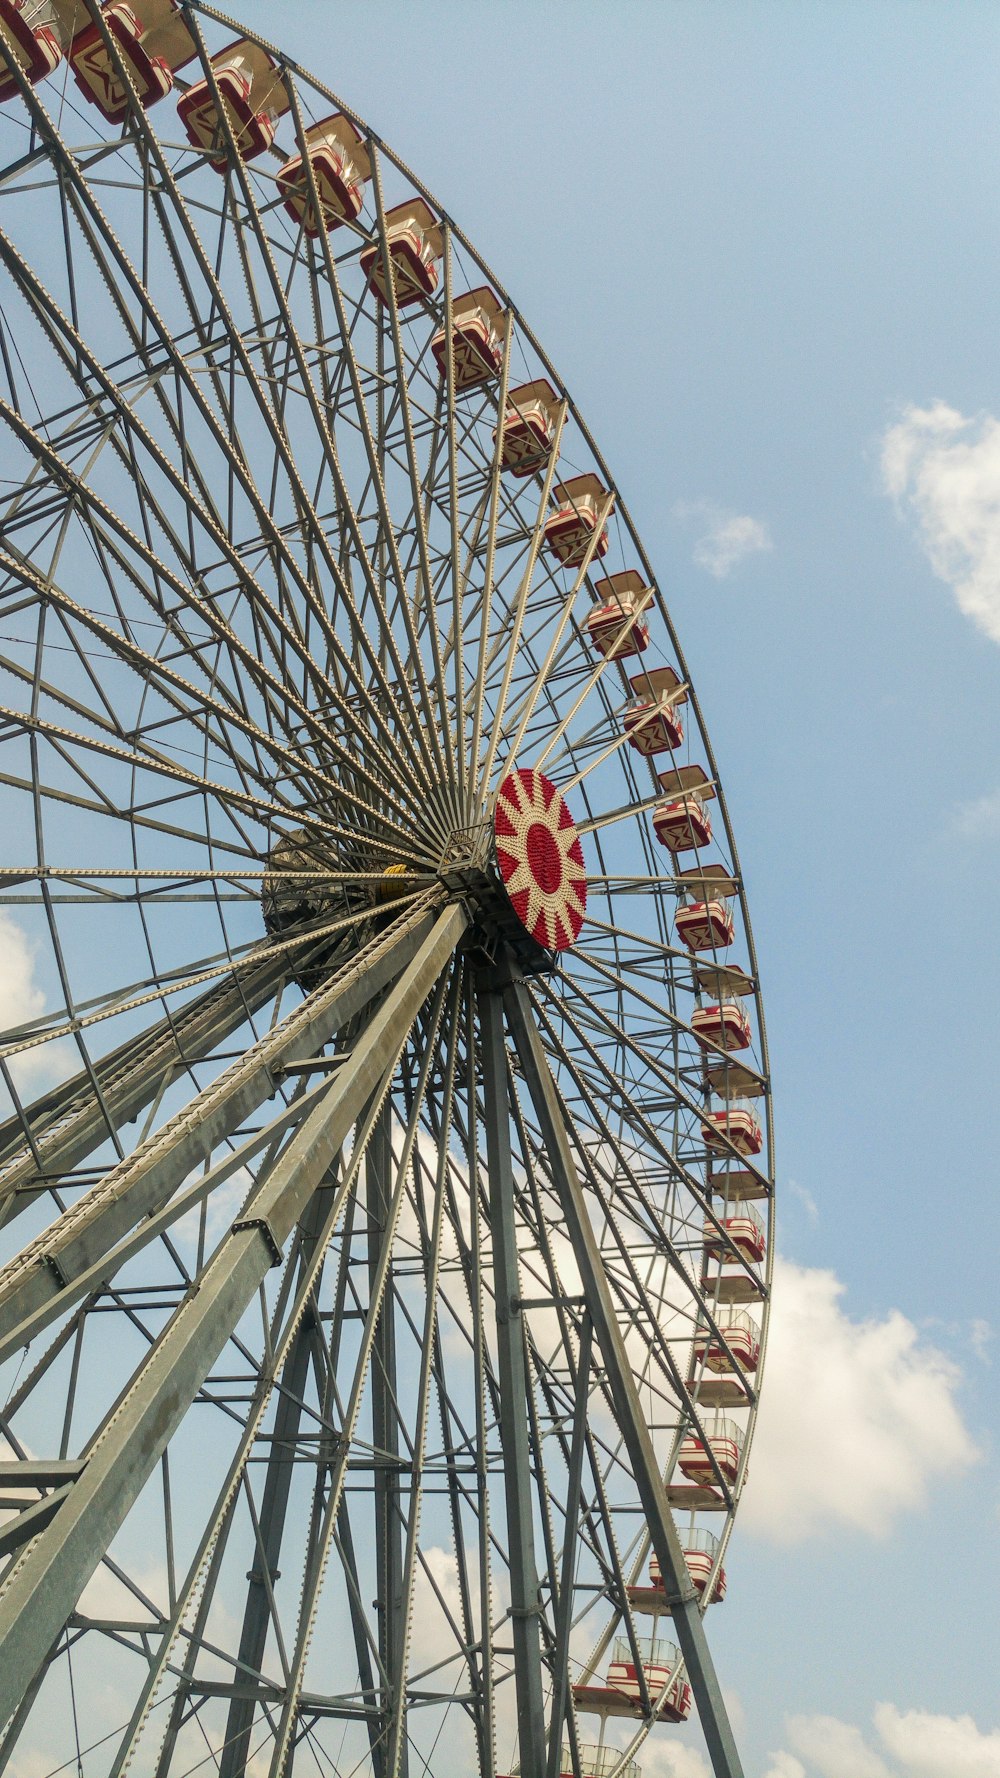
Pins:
x,y
759,241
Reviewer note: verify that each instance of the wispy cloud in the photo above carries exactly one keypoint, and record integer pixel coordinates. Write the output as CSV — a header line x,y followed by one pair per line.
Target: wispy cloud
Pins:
x,y
805,1198
942,468
980,818
726,537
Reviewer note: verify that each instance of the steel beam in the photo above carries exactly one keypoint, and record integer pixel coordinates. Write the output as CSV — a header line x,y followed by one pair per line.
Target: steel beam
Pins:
x,y
621,1384
525,1604
69,1122
38,1283
574,1501
43,1587
273,1511
385,1440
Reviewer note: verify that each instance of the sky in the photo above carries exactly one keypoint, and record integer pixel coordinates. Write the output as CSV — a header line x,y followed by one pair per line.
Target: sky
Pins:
x,y
759,242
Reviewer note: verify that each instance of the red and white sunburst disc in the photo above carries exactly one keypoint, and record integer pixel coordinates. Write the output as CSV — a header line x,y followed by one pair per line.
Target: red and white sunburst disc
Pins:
x,y
540,858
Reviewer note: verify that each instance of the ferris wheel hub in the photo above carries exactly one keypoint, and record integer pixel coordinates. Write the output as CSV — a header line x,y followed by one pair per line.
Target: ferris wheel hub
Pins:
x,y
539,858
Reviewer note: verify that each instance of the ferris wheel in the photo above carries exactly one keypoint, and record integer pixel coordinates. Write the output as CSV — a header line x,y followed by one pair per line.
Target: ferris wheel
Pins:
x,y
385,1156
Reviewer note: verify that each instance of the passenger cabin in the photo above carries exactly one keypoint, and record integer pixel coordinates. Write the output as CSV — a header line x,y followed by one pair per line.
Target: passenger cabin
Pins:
x,y
413,237
251,99
733,1124
33,38
721,1024
153,41
703,1459
744,1230
616,625
701,1549
341,169
621,1695
653,720
706,922
742,1338
681,822
591,1762
477,320
529,428
571,529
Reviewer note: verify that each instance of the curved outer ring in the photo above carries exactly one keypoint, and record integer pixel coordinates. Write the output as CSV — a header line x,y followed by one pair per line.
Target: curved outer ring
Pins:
x,y
283,60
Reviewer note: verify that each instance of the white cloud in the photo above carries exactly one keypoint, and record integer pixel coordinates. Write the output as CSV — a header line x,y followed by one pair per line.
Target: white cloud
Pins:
x,y
835,1749
856,1416
661,1758
22,999
929,1746
728,537
943,470
918,1744
785,1765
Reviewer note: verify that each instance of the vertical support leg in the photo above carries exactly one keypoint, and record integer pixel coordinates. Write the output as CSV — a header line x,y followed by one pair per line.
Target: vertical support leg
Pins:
x,y
524,1596
274,1511
385,1437
564,1613
264,1573
625,1397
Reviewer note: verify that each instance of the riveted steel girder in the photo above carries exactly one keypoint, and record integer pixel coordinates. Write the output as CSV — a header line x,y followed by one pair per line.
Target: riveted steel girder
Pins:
x,y
72,1120
42,1281
42,1588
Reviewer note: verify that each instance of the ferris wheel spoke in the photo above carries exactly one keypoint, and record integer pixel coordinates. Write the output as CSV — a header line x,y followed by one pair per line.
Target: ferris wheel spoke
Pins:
x,y
486,606
70,347
89,503
42,1586
672,1082
67,743
199,706
644,1131
509,639
540,682
372,453
627,1282
594,679
94,1283
447,762
666,1540
236,800
69,1020
587,1520
454,535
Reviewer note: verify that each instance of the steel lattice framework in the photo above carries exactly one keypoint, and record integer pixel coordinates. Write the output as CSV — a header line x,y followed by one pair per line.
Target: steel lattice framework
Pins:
x,y
371,1265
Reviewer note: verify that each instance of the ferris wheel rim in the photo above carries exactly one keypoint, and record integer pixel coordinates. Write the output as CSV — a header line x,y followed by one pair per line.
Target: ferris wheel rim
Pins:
x,y
569,409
